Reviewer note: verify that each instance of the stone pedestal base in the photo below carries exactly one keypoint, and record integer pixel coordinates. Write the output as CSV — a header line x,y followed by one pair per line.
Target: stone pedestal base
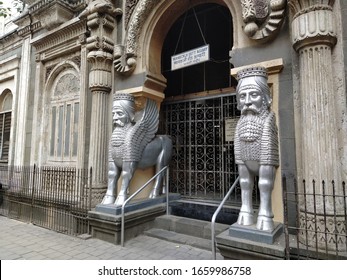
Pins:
x,y
105,220
254,234
248,243
135,204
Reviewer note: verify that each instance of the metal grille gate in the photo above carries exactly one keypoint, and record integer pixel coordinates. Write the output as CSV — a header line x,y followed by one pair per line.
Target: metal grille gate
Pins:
x,y
203,165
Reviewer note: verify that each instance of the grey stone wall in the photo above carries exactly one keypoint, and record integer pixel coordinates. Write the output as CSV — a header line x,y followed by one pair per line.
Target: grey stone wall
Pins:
x,y
344,33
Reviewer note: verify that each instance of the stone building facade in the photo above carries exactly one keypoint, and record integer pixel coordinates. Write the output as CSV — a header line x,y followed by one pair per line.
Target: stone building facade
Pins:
x,y
61,64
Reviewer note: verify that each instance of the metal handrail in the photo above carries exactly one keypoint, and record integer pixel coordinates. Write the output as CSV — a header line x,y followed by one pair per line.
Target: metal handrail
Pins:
x,y
138,191
214,217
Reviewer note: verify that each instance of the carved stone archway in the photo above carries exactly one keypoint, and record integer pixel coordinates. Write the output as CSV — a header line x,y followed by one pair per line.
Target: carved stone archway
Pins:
x,y
143,42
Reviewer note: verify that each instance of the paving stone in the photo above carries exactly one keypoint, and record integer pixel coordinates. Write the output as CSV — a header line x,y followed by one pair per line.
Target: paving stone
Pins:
x,y
83,256
26,241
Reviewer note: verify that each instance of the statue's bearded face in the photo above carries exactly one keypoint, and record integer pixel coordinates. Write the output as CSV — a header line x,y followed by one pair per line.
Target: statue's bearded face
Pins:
x,y
251,100
120,117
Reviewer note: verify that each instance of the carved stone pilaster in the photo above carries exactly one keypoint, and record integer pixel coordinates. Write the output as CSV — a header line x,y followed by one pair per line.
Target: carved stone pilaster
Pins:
x,y
313,37
100,16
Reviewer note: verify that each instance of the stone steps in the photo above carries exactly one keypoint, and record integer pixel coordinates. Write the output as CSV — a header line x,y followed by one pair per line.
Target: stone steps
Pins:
x,y
180,238
183,230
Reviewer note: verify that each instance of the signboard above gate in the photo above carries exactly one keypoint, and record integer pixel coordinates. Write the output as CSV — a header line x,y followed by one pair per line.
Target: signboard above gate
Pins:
x,y
191,57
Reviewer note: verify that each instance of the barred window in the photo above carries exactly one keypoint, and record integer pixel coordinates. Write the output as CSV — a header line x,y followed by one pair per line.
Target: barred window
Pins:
x,y
64,111
5,125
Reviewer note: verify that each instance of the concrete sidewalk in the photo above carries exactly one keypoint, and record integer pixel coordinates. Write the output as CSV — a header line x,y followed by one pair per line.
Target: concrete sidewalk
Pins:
x,y
22,241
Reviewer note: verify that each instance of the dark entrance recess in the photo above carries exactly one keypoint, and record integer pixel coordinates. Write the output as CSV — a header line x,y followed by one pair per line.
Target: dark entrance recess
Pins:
x,y
204,24
199,105
204,212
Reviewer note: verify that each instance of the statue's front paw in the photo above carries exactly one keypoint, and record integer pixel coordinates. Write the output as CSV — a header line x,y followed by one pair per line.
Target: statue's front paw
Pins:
x,y
245,219
108,199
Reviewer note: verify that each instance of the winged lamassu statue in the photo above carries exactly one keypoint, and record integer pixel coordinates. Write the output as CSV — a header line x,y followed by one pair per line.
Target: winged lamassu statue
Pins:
x,y
134,145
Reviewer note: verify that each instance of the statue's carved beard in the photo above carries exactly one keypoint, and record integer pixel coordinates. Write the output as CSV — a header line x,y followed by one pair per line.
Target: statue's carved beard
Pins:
x,y
251,126
118,135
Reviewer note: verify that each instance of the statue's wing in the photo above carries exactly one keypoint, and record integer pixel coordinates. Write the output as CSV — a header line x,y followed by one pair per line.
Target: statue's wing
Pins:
x,y
143,131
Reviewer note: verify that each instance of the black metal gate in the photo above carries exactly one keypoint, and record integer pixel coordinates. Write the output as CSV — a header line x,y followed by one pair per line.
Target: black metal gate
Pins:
x,y
202,129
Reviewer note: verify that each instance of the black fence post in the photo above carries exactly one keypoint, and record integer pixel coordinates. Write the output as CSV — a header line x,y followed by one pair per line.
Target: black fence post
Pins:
x,y
315,215
90,189
297,203
286,232
32,194
335,220
325,219
345,208
306,231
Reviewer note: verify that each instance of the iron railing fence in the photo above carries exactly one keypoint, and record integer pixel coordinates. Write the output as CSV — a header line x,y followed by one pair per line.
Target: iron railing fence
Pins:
x,y
318,230
56,198
59,198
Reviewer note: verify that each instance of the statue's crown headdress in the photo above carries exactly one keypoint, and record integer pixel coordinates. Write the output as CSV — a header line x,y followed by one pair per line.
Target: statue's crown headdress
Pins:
x,y
123,96
252,71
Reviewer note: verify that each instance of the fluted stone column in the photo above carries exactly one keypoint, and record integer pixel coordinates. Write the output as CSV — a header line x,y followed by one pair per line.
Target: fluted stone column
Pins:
x,y
101,22
314,37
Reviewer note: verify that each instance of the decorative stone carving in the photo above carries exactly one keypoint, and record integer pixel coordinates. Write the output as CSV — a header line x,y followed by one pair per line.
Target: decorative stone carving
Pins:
x,y
52,13
134,145
314,227
101,7
263,18
26,24
30,2
68,85
100,20
129,8
256,145
61,41
55,16
125,55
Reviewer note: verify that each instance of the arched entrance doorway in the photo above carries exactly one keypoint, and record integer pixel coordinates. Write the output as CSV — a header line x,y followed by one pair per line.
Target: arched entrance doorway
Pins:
x,y
199,110
201,25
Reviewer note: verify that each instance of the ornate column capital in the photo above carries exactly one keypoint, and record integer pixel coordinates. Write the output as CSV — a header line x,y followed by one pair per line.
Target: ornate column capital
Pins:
x,y
100,17
100,78
302,6
312,24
